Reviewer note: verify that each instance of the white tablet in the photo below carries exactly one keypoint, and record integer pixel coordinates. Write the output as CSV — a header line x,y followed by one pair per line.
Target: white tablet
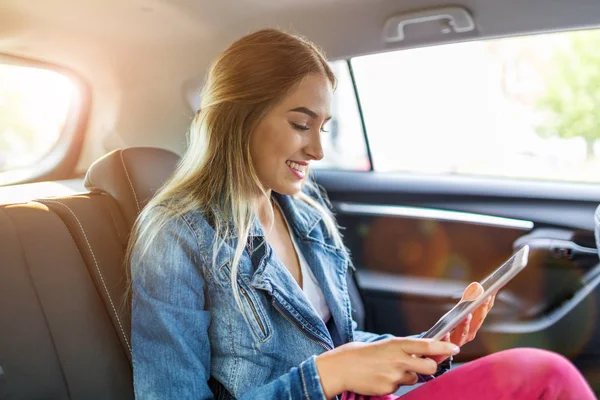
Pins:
x,y
495,281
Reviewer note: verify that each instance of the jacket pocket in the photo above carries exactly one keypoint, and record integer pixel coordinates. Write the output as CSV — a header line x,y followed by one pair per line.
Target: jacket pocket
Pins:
x,y
254,312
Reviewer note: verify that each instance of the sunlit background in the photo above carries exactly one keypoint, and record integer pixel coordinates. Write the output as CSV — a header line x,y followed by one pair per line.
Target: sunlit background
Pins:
x,y
524,107
34,105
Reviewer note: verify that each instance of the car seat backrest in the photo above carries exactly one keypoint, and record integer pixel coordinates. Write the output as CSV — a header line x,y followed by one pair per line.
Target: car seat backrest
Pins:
x,y
56,339
64,321
120,184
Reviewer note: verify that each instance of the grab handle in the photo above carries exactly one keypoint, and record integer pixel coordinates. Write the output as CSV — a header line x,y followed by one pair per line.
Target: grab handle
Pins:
x,y
459,20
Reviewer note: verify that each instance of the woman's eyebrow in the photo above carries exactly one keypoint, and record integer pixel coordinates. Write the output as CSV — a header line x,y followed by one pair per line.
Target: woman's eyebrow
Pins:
x,y
308,112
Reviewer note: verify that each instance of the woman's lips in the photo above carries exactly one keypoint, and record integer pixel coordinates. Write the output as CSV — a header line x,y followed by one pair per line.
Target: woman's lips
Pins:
x,y
299,162
297,174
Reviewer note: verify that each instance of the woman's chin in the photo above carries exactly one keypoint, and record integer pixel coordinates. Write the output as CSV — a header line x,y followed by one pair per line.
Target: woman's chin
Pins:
x,y
290,189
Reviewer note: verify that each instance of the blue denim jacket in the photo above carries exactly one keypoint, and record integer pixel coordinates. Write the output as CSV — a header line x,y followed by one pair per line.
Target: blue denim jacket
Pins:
x,y
189,338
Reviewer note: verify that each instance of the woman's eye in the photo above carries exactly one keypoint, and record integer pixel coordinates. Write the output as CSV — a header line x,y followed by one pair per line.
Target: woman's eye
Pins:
x,y
306,128
326,126
300,127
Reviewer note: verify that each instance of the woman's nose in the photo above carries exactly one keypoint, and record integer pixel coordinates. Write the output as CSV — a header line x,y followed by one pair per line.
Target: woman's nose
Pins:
x,y
314,149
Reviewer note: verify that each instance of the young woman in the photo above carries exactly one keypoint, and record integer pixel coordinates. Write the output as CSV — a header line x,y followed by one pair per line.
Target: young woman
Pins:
x,y
238,270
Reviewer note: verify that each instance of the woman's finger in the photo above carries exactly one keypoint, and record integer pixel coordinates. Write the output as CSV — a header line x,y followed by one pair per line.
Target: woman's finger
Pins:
x,y
492,301
409,379
461,332
439,359
478,318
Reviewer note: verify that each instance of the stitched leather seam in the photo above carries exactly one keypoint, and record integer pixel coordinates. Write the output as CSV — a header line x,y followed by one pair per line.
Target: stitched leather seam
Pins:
x,y
129,180
97,268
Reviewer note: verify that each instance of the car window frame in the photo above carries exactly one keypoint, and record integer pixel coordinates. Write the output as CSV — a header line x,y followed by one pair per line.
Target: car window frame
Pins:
x,y
62,158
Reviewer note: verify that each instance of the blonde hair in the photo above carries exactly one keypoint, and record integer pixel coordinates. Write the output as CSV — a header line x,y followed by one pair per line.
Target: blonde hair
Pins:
x,y
216,174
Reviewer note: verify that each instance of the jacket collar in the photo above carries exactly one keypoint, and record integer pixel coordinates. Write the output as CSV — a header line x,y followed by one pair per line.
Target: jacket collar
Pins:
x,y
301,216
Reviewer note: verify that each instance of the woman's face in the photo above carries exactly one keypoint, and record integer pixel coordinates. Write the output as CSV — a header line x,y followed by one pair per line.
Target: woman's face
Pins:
x,y
288,138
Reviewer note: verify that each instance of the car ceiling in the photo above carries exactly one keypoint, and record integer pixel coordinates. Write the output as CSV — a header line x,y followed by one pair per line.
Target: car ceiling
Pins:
x,y
138,55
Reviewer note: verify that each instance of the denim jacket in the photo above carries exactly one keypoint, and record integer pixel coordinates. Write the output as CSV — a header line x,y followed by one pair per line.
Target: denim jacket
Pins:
x,y
191,341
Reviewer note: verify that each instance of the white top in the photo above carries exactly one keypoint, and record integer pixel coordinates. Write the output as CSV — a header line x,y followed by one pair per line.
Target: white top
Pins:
x,y
310,287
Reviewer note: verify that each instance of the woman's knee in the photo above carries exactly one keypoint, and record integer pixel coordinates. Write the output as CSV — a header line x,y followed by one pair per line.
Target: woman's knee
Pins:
x,y
526,357
539,364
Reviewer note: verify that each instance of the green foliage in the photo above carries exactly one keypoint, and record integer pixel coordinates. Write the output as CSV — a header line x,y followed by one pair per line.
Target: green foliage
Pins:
x,y
572,97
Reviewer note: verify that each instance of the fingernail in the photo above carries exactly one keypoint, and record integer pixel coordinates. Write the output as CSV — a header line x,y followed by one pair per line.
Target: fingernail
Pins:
x,y
455,350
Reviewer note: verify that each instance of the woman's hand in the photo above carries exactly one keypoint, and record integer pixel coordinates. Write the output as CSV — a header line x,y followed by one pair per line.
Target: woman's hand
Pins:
x,y
380,367
468,328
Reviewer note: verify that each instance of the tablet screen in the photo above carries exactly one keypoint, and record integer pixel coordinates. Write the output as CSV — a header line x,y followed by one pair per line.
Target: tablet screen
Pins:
x,y
496,280
447,319
497,274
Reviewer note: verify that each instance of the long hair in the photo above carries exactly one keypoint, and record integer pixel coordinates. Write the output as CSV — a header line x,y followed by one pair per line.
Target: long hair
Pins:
x,y
216,174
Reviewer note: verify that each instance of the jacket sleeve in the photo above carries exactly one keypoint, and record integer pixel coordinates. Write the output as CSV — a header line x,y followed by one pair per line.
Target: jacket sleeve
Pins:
x,y
169,323
170,341
302,382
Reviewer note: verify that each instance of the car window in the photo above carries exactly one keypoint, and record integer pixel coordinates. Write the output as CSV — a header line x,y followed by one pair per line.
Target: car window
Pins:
x,y
34,106
524,107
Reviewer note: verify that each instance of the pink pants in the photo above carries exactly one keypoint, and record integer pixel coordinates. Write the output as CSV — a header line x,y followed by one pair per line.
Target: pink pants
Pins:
x,y
512,374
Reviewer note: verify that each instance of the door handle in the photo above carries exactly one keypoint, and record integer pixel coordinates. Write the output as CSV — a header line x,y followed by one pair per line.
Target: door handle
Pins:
x,y
557,248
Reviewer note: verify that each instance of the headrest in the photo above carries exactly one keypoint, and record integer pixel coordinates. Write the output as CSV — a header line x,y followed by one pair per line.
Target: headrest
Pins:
x,y
131,176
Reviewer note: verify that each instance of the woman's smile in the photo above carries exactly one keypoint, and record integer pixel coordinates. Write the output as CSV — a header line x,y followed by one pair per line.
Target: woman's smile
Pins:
x,y
297,168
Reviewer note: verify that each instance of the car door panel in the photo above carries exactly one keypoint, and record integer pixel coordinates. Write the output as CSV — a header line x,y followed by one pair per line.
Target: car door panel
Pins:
x,y
416,245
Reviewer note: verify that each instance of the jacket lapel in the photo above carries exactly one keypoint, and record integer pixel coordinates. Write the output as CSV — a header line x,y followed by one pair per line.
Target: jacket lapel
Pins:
x,y
327,262
265,271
